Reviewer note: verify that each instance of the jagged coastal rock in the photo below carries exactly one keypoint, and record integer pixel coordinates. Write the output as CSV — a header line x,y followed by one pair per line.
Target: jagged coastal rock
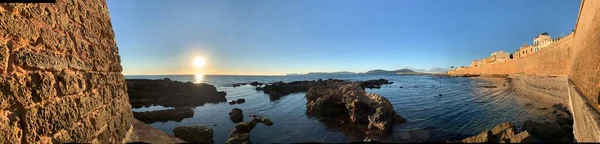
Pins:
x,y
236,115
348,107
168,93
502,133
194,134
177,115
241,132
279,89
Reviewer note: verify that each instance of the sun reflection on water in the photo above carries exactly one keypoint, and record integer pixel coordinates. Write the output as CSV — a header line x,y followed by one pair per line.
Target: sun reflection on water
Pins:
x,y
198,78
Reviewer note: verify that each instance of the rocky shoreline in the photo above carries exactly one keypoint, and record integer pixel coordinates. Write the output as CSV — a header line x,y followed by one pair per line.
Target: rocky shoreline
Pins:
x,y
279,89
347,107
168,93
177,115
545,94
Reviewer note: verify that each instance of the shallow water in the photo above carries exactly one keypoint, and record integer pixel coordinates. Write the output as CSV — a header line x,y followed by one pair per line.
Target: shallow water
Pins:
x,y
464,108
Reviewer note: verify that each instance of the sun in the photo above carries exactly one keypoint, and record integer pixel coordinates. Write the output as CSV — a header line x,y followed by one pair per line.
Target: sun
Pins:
x,y
199,62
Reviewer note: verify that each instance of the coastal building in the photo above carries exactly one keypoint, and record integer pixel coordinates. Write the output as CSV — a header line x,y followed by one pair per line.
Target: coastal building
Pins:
x,y
539,42
499,56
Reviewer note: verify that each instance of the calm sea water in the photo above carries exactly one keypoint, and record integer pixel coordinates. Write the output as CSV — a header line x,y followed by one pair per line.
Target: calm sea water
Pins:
x,y
464,109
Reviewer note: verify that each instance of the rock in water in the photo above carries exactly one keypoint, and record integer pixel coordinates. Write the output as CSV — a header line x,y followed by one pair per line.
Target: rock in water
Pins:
x,y
145,93
240,101
236,115
352,109
502,133
194,134
241,132
232,102
177,115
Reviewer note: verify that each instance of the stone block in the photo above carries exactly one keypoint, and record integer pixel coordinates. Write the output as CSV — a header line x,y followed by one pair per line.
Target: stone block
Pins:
x,y
10,132
70,83
45,60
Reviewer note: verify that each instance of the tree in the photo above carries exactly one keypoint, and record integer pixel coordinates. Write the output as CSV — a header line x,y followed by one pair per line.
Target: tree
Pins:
x,y
452,67
545,33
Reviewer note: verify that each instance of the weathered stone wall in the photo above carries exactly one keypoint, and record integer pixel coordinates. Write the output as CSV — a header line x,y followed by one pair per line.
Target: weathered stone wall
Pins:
x,y
60,74
555,59
585,71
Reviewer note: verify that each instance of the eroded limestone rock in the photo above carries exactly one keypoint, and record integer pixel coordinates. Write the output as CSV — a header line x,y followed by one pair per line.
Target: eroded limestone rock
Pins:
x,y
501,133
346,106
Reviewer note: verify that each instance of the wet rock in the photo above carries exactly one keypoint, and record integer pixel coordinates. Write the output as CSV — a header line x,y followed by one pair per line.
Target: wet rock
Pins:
x,y
239,139
252,84
279,89
241,132
240,101
236,115
194,134
232,102
145,93
177,115
346,106
502,133
374,83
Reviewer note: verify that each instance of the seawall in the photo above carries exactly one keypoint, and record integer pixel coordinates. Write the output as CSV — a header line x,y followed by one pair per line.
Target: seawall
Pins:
x,y
576,56
60,75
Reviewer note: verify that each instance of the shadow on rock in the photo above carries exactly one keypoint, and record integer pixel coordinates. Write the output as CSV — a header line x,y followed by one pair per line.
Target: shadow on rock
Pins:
x,y
145,93
346,107
177,115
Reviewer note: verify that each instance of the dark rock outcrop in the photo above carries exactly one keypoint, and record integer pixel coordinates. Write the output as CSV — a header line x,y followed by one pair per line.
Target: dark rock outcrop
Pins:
x,y
241,132
177,115
194,134
547,131
252,84
236,115
240,101
279,89
346,106
232,102
144,93
502,133
374,83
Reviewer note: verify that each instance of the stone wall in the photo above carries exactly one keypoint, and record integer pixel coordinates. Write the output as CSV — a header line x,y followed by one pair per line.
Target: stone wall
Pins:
x,y
585,71
555,59
60,74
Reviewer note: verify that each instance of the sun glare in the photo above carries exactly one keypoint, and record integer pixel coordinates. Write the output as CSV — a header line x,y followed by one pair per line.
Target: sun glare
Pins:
x,y
199,62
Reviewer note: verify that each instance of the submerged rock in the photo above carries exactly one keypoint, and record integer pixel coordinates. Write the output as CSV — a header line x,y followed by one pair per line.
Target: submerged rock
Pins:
x,y
232,102
145,93
502,133
194,134
348,107
374,83
177,115
236,115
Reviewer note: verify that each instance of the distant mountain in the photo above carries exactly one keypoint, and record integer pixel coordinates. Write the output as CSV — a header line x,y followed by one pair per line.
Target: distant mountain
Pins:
x,y
371,72
385,72
330,73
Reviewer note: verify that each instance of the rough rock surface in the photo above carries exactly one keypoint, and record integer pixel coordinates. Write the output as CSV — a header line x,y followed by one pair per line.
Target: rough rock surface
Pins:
x,y
241,132
60,74
346,106
236,115
194,134
177,115
502,133
144,93
278,89
547,131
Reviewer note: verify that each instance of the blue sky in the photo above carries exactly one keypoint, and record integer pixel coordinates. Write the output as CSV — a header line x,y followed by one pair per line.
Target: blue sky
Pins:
x,y
271,37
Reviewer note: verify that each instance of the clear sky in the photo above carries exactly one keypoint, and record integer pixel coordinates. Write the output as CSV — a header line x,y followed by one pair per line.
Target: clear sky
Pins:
x,y
271,37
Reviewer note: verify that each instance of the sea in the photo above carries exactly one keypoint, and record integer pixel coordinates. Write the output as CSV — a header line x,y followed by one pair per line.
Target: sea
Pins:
x,y
437,108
